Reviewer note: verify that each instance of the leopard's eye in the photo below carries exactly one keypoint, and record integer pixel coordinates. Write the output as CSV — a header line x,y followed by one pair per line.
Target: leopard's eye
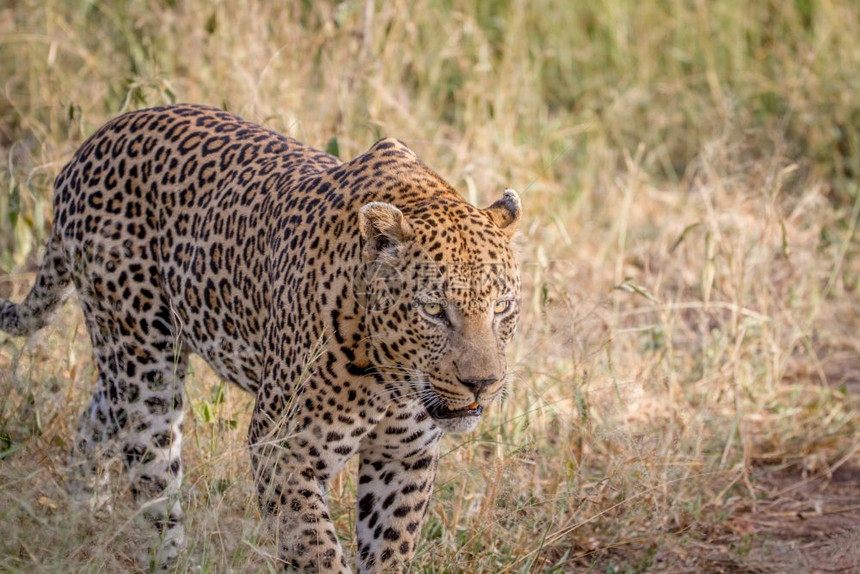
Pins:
x,y
433,309
501,306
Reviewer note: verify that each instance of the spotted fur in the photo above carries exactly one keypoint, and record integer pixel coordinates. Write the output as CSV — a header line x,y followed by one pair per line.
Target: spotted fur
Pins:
x,y
365,304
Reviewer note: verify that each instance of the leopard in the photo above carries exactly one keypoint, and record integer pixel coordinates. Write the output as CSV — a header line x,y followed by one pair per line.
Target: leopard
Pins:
x,y
365,304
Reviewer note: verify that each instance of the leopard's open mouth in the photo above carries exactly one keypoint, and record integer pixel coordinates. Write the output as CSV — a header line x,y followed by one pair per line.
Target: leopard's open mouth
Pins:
x,y
443,412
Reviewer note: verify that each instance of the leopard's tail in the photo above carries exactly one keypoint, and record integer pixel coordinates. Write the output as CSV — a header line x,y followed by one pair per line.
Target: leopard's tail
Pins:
x,y
52,288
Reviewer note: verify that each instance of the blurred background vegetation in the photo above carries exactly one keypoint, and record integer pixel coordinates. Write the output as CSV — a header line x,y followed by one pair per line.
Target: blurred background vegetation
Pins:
x,y
689,170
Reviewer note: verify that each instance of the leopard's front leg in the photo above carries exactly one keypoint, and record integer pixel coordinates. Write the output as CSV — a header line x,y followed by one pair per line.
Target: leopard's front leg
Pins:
x,y
396,474
294,499
291,467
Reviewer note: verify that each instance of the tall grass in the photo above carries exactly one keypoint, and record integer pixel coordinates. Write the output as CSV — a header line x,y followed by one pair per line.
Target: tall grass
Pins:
x,y
689,171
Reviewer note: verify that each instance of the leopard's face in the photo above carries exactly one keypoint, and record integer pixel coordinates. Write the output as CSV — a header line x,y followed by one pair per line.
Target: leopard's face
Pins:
x,y
447,304
463,314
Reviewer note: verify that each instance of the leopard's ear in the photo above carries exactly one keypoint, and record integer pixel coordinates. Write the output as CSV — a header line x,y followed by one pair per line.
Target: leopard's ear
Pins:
x,y
506,212
383,229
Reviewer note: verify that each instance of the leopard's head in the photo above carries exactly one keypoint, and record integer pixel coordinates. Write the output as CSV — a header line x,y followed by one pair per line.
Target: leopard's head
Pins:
x,y
444,300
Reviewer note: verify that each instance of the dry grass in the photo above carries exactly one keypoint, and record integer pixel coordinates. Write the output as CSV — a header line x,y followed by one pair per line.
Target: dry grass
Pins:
x,y
688,360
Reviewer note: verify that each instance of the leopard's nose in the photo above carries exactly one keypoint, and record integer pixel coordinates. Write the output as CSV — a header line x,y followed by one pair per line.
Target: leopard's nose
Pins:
x,y
477,386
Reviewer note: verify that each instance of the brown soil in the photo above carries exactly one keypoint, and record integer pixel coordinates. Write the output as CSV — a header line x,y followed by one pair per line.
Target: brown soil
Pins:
x,y
799,526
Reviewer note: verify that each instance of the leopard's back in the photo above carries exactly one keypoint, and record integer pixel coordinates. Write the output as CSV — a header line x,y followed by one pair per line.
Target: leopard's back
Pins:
x,y
171,208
